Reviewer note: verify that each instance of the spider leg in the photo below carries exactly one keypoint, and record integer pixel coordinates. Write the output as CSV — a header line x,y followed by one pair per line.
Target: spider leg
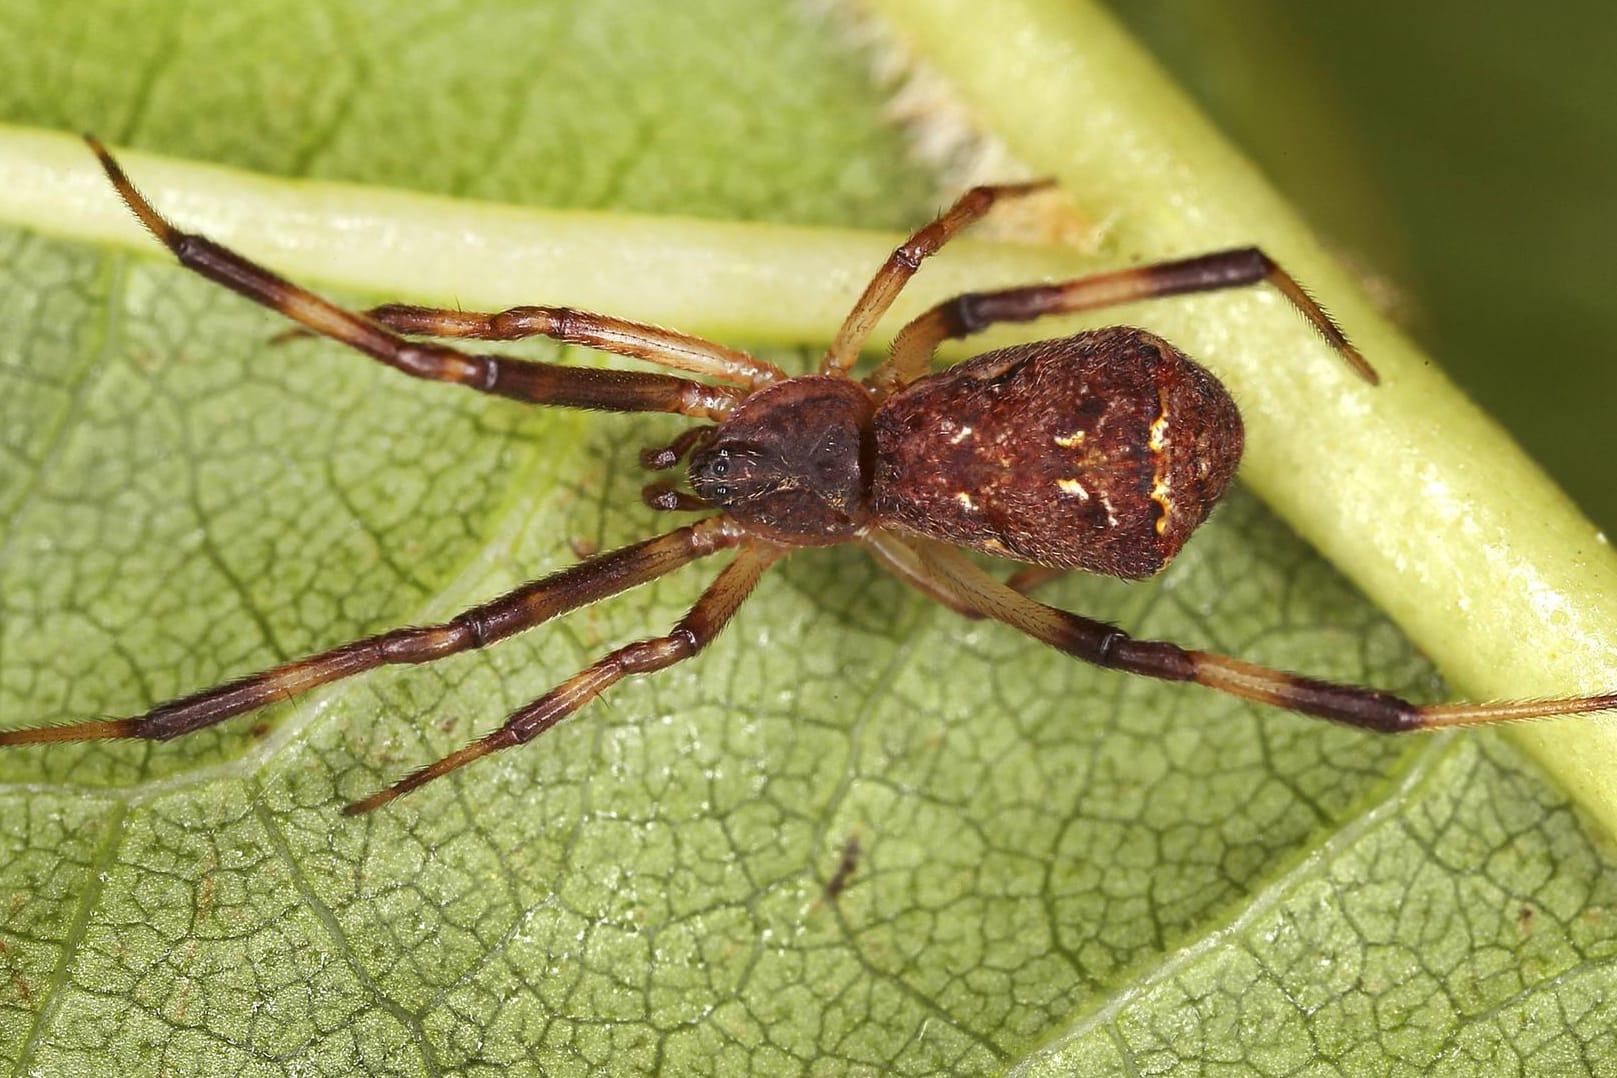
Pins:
x,y
897,559
636,340
693,632
946,572
529,605
901,265
524,380
973,312
1032,577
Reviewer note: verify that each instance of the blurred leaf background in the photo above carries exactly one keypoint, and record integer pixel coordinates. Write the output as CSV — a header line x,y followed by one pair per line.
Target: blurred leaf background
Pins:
x,y
1462,154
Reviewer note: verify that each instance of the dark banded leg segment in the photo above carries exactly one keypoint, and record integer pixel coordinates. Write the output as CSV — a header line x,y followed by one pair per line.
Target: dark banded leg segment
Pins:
x,y
694,632
947,572
975,311
513,612
905,260
524,380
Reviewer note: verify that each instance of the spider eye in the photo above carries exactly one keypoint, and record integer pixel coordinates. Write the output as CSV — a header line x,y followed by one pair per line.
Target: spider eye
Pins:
x,y
721,491
721,464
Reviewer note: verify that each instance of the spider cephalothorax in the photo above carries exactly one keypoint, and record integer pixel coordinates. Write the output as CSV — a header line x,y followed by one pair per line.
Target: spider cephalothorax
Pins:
x,y
792,462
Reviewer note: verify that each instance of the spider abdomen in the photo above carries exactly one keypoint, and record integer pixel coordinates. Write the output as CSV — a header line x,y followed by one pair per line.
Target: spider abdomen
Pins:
x,y
1100,452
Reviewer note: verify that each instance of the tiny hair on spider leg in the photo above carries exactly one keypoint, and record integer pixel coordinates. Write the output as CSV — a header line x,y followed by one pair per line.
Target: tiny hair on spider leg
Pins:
x,y
1102,452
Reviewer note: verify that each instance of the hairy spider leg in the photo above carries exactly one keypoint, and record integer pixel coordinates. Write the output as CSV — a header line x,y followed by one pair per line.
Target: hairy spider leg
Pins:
x,y
902,264
1026,579
694,631
973,312
524,380
523,608
939,571
569,325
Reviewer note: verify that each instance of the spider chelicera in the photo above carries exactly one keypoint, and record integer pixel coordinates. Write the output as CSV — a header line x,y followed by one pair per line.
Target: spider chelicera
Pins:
x,y
1101,452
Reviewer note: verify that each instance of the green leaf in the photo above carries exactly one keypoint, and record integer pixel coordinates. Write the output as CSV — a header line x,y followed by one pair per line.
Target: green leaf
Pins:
x,y
1060,869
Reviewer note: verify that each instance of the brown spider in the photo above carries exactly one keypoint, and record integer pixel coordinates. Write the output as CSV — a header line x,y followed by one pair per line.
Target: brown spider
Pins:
x,y
1102,452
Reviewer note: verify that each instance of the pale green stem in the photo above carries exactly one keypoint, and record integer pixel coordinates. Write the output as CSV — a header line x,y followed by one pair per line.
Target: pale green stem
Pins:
x,y
733,281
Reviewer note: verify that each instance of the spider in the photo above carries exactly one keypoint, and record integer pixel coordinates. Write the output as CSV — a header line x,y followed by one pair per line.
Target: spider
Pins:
x,y
1101,452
